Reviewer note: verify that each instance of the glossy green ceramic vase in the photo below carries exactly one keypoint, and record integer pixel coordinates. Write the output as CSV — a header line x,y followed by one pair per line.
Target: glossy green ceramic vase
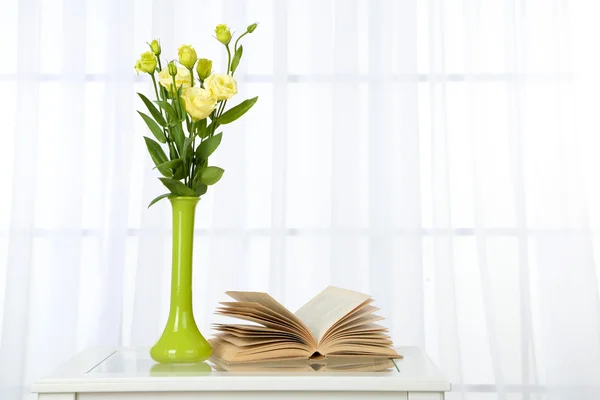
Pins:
x,y
181,341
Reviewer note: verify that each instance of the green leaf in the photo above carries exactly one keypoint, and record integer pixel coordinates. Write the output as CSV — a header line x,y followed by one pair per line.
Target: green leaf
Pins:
x,y
173,164
187,148
177,187
178,137
180,111
237,111
190,126
211,175
208,146
200,188
159,198
153,110
199,128
158,156
207,130
179,173
183,110
169,109
197,173
154,128
172,152
236,58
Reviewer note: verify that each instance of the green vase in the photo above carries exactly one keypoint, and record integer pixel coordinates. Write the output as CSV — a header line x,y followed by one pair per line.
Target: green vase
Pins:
x,y
181,341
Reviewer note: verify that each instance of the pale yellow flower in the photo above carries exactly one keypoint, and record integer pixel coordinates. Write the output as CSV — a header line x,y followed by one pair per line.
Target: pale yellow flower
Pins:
x,y
183,77
146,63
199,103
221,86
223,33
187,56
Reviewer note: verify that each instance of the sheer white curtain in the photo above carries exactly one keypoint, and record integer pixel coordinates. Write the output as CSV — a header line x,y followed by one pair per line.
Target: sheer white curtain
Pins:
x,y
440,155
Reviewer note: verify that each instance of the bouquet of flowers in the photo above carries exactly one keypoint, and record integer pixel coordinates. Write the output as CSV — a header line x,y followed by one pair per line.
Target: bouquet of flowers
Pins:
x,y
190,107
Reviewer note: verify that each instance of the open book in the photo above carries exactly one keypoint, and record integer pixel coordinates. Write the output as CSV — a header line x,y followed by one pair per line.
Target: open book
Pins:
x,y
337,322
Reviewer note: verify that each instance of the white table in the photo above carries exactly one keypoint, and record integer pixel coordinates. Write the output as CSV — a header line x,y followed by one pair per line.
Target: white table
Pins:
x,y
130,374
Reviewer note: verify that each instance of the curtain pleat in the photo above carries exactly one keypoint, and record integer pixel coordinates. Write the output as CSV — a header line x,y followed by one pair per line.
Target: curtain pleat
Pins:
x,y
472,32
117,164
277,257
448,346
14,344
345,251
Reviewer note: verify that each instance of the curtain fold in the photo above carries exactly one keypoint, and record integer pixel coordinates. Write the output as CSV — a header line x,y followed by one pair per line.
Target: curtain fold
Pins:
x,y
440,155
14,343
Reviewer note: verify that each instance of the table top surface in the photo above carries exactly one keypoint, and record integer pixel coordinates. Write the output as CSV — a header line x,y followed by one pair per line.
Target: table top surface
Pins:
x,y
132,370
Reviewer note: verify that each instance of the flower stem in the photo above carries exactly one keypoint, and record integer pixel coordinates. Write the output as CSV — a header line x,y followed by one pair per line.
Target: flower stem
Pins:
x,y
238,39
228,58
176,98
193,163
158,98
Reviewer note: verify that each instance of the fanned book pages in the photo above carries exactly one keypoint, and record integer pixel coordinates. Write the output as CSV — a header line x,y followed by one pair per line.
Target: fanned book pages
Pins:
x,y
337,323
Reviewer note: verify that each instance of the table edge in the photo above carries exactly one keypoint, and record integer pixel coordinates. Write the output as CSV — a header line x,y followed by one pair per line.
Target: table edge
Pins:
x,y
67,378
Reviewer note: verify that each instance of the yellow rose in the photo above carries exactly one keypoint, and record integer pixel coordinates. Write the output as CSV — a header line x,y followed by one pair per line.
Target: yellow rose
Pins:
x,y
146,63
223,34
221,86
198,102
187,56
183,77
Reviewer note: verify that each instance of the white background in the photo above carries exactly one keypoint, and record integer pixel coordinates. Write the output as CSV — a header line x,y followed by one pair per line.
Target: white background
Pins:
x,y
439,155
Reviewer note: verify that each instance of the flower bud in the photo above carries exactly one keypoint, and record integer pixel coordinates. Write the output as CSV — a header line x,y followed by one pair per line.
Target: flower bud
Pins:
x,y
172,69
223,34
155,47
187,56
146,63
252,27
204,68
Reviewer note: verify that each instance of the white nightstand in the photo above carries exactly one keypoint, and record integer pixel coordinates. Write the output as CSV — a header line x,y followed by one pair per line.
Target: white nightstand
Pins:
x,y
130,374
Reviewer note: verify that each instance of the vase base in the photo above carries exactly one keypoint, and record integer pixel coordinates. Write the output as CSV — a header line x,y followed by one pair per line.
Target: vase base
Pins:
x,y
180,356
178,348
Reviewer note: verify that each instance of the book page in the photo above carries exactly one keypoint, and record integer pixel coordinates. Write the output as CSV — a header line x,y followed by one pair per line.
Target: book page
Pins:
x,y
267,312
268,302
258,312
264,299
258,320
353,316
327,308
244,342
249,331
365,320
231,353
359,313
356,349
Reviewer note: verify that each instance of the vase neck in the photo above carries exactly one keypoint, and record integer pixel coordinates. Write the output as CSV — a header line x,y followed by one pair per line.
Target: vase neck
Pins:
x,y
184,210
